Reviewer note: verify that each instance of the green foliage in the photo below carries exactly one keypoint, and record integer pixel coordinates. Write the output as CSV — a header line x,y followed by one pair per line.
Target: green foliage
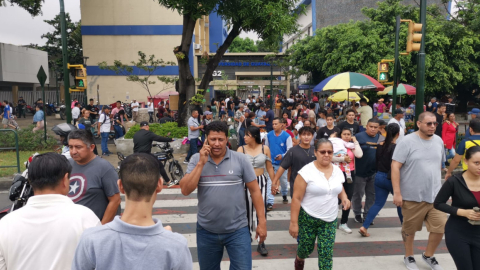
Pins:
x,y
28,140
242,45
467,14
198,98
53,45
161,130
34,7
452,51
148,64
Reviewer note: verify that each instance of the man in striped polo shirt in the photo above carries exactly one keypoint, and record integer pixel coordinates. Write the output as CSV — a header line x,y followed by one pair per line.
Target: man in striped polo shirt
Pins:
x,y
221,176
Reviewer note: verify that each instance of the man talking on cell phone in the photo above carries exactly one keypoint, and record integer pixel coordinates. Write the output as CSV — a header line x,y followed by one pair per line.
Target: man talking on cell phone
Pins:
x,y
221,176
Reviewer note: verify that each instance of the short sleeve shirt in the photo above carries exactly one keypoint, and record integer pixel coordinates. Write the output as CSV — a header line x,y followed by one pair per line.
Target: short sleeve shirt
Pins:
x,y
92,184
324,132
366,113
105,123
297,157
420,175
473,140
117,117
221,192
270,115
193,122
354,128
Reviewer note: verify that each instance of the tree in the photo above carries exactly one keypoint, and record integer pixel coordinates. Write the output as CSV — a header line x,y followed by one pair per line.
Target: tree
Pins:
x,y
242,45
271,19
53,45
146,65
467,14
34,7
452,59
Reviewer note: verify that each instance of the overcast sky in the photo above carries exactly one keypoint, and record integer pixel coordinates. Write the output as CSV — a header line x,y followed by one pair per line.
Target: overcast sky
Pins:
x,y
19,28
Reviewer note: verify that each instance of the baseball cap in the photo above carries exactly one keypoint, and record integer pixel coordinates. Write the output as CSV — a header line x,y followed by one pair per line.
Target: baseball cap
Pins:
x,y
143,123
398,111
474,111
207,113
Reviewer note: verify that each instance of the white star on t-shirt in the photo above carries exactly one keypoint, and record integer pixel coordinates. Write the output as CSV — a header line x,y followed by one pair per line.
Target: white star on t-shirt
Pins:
x,y
73,188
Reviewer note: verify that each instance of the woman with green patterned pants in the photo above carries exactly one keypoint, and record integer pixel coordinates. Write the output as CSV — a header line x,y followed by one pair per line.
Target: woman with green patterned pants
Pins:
x,y
314,209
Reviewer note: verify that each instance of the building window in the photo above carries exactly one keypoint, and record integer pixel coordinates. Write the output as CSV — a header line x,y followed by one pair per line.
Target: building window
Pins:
x,y
287,46
309,30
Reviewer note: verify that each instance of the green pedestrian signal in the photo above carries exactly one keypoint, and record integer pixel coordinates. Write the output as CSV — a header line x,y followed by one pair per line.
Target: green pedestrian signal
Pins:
x,y
80,83
383,76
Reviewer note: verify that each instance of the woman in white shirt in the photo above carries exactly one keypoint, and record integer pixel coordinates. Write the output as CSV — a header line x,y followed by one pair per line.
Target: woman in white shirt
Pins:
x,y
314,208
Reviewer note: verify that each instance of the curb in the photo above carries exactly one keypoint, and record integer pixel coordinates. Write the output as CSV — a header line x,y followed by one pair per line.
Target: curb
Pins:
x,y
5,183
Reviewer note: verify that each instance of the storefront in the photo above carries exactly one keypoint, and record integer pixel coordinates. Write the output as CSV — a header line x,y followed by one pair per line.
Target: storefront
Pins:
x,y
244,74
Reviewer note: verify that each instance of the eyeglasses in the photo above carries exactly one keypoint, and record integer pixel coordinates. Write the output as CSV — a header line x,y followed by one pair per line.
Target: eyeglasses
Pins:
x,y
323,152
433,124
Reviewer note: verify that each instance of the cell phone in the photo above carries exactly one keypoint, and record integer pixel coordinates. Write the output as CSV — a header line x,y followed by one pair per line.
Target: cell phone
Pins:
x,y
206,140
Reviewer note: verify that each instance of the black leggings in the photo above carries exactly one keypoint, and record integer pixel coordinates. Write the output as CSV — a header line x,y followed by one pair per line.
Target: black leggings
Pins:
x,y
463,246
349,190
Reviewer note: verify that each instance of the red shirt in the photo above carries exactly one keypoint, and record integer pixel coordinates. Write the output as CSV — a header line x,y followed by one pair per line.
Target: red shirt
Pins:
x,y
449,132
290,132
477,196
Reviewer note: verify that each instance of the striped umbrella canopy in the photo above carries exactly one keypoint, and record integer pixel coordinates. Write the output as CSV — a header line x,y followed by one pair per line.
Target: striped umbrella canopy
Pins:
x,y
402,89
351,81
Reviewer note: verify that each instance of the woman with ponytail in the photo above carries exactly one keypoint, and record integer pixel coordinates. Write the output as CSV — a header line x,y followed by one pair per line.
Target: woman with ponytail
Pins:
x,y
383,181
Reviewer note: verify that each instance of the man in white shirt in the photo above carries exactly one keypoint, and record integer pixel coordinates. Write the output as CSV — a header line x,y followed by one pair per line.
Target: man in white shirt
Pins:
x,y
104,125
301,118
135,105
398,119
365,111
44,233
76,113
151,110
247,101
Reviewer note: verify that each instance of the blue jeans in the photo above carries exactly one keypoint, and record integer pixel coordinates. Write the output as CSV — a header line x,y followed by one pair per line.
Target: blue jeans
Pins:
x,y
450,153
104,136
210,249
193,148
383,187
118,131
241,137
283,184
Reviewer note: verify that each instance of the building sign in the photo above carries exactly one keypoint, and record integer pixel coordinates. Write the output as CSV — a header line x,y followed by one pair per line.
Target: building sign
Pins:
x,y
243,64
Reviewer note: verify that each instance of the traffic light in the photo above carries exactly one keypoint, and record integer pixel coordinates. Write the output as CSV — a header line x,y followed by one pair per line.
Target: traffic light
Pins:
x,y
413,36
80,76
382,72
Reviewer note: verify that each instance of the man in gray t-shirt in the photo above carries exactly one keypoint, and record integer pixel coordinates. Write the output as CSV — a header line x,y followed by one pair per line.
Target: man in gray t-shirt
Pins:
x,y
93,181
194,128
221,176
416,179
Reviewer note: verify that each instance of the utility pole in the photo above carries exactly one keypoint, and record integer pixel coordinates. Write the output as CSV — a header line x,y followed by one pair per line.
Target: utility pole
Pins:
x,y
66,76
421,63
271,86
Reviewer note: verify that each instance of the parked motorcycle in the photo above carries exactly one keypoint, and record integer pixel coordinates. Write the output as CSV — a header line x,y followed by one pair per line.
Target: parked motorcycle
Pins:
x,y
30,109
127,107
165,156
20,190
50,108
61,111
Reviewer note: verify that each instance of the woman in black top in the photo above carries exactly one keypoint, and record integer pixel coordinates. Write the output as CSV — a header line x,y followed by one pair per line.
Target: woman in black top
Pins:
x,y
461,237
383,181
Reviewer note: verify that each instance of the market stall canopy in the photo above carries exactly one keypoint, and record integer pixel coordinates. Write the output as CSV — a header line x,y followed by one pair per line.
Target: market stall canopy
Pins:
x,y
343,95
165,95
402,89
351,81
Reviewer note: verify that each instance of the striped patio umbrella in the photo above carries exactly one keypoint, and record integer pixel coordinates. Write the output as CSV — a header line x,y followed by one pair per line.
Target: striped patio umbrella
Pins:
x,y
402,89
351,81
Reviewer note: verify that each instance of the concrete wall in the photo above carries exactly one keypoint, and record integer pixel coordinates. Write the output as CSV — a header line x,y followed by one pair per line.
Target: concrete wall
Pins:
x,y
21,64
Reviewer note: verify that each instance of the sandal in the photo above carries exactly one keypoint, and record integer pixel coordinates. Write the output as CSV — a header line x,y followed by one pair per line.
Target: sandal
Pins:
x,y
363,233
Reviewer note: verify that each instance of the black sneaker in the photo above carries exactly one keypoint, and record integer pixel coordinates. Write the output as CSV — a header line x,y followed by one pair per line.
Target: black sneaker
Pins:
x,y
185,161
269,207
358,219
285,200
262,250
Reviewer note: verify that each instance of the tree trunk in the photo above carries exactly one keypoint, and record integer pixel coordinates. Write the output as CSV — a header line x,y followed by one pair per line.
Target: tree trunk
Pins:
x,y
185,79
213,62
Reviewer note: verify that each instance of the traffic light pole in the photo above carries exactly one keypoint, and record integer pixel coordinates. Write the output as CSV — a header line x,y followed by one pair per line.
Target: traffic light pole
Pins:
x,y
421,63
66,76
396,65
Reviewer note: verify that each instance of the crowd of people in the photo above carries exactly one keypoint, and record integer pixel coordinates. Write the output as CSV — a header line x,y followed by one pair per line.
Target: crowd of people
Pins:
x,y
306,153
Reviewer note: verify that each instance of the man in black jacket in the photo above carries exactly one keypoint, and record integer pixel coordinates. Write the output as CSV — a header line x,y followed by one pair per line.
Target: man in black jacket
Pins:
x,y
142,143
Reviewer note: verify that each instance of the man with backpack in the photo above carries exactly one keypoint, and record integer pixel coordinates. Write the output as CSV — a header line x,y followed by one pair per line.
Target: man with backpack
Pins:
x,y
104,125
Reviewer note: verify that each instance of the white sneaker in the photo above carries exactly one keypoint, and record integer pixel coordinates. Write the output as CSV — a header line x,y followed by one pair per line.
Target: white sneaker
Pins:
x,y
345,228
